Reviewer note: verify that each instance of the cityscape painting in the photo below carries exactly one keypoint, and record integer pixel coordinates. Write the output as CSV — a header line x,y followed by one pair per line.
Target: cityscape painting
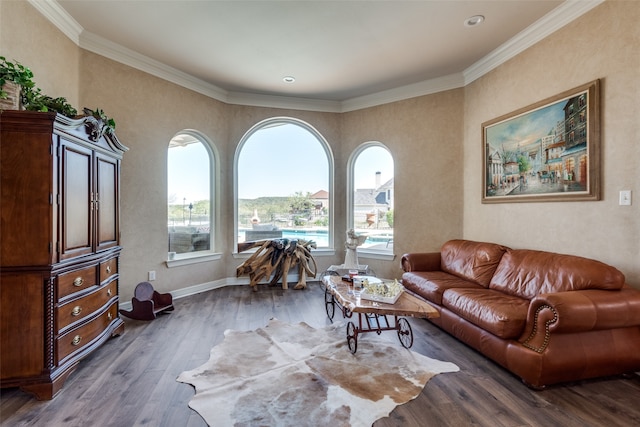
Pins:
x,y
548,151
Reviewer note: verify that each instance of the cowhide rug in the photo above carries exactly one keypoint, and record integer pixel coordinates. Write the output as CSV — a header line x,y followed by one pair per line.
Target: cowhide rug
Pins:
x,y
295,375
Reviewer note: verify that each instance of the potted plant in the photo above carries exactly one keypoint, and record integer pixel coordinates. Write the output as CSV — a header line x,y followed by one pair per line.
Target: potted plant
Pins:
x,y
15,79
18,91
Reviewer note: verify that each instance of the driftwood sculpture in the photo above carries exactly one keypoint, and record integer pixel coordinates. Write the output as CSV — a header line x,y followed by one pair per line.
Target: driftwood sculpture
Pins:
x,y
277,257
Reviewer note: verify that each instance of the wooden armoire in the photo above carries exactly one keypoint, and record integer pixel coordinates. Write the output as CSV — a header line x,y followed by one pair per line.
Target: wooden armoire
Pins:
x,y
60,246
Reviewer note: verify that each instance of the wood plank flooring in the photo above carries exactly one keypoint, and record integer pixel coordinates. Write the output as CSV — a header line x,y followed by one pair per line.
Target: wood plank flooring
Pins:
x,y
131,380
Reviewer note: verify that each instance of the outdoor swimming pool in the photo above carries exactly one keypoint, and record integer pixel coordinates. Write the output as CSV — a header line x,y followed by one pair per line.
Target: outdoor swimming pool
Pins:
x,y
321,237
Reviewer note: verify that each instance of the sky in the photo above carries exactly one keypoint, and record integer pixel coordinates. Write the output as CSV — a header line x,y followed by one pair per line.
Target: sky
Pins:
x,y
275,161
280,161
526,128
188,168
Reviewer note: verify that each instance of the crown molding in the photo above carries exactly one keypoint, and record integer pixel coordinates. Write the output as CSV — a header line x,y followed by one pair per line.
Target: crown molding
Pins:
x,y
426,87
554,20
545,26
285,102
118,53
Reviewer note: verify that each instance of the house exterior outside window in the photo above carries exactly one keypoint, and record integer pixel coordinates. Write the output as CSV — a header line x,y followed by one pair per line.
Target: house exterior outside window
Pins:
x,y
371,196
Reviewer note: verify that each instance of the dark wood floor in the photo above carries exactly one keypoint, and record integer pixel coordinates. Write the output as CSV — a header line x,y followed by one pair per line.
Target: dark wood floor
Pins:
x,y
131,380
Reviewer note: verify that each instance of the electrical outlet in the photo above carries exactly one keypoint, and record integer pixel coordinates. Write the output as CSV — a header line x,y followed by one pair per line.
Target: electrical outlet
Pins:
x,y
152,275
625,198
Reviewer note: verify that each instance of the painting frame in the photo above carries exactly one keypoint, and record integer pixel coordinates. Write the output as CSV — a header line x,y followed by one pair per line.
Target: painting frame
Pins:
x,y
545,152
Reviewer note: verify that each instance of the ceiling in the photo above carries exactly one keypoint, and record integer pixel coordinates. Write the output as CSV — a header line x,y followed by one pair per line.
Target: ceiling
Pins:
x,y
343,55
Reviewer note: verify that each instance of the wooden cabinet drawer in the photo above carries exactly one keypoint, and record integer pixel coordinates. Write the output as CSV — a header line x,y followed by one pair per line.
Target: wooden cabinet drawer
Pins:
x,y
79,338
76,310
75,281
108,268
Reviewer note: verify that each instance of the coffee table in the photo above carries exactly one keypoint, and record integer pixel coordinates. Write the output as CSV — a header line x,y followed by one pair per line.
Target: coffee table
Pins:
x,y
373,316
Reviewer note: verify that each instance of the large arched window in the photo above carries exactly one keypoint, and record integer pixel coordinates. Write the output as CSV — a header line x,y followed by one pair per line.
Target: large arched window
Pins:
x,y
284,173
370,196
190,184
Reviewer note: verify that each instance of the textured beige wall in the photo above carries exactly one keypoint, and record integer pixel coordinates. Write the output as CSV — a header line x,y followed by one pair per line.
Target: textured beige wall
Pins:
x,y
425,137
148,112
435,140
29,38
603,44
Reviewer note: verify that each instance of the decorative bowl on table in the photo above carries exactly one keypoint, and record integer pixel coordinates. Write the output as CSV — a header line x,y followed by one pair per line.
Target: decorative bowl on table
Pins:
x,y
387,292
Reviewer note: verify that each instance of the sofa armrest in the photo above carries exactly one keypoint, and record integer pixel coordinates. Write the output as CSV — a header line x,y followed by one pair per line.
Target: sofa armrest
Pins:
x,y
421,261
579,311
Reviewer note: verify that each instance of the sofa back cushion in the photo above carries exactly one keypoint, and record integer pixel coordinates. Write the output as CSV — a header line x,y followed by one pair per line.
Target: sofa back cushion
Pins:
x,y
527,273
474,261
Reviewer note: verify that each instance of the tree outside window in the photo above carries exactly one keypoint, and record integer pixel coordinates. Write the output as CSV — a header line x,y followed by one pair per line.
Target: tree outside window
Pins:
x,y
189,200
283,180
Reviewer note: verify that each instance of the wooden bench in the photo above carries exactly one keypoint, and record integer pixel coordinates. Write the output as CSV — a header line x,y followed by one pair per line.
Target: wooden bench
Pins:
x,y
147,303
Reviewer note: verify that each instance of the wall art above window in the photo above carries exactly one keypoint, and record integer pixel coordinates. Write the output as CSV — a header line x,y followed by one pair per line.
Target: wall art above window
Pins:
x,y
548,151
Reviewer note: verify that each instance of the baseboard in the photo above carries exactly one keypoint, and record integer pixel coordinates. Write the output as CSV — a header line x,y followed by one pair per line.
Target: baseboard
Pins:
x,y
208,286
196,289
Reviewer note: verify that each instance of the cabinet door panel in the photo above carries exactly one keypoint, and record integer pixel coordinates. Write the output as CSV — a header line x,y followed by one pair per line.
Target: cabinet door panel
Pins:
x,y
107,206
26,221
22,318
77,205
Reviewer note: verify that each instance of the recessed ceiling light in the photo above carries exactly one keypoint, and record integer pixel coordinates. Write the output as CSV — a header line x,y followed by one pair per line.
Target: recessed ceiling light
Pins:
x,y
473,21
289,79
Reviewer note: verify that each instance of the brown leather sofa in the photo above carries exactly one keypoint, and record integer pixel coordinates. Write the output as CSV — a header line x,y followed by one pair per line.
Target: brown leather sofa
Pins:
x,y
546,317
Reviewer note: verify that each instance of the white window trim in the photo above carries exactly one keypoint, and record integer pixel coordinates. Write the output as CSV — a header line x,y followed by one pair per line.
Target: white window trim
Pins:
x,y
386,255
214,204
193,258
324,252
381,254
325,145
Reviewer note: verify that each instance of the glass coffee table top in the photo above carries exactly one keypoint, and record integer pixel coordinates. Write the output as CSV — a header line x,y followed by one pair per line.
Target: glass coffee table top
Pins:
x,y
373,316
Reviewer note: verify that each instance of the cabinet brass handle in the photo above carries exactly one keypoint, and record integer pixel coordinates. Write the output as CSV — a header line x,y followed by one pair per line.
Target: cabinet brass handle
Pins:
x,y
76,310
108,269
108,292
78,281
76,340
109,316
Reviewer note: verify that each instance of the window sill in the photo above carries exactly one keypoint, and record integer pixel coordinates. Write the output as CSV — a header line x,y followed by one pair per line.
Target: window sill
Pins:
x,y
374,254
193,258
314,252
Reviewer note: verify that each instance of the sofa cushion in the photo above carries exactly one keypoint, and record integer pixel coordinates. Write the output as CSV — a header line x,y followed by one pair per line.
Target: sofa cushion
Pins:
x,y
526,273
474,261
502,315
430,285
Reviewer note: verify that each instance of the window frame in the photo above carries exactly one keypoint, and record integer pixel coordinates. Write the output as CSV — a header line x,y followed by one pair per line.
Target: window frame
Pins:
x,y
383,254
214,214
330,160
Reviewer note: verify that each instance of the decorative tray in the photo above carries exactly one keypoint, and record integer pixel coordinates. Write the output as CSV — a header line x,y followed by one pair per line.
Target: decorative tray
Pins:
x,y
387,292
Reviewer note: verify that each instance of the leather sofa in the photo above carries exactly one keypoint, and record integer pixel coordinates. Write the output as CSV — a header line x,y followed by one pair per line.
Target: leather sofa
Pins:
x,y
546,317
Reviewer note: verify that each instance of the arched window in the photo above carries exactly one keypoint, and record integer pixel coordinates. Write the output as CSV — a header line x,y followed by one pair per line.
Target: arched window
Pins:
x,y
190,184
284,174
370,196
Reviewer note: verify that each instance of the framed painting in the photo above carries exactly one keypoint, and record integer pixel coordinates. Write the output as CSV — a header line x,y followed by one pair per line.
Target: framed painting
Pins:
x,y
548,151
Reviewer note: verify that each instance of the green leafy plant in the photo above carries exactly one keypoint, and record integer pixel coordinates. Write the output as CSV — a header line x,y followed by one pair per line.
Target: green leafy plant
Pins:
x,y
35,100
16,73
32,97
389,217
